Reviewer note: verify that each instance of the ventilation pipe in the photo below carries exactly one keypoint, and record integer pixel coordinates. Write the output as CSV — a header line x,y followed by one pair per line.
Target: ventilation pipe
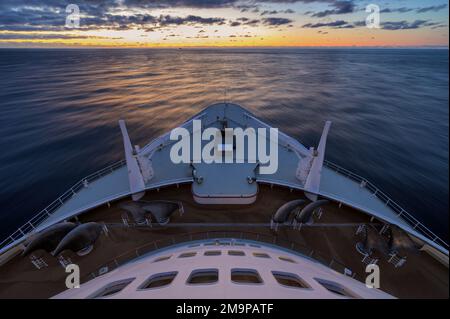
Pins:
x,y
305,215
399,240
136,211
81,239
282,214
372,241
162,210
49,238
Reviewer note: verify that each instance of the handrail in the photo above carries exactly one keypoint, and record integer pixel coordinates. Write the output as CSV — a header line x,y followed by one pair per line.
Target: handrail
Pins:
x,y
37,219
401,213
215,236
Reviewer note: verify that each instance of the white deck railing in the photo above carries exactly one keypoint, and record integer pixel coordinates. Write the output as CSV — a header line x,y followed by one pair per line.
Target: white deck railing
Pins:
x,y
29,226
218,237
401,213
37,219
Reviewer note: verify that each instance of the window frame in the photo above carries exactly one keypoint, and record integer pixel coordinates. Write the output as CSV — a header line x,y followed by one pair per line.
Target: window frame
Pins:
x,y
100,293
212,253
160,276
162,258
236,253
287,259
199,271
304,284
188,254
248,270
333,286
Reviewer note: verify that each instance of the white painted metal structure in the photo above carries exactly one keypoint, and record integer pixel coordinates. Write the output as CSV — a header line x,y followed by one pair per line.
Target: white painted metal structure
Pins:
x,y
151,168
225,257
135,178
312,184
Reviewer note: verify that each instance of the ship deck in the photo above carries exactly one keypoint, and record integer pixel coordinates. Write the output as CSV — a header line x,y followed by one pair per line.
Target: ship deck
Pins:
x,y
334,185
330,240
224,180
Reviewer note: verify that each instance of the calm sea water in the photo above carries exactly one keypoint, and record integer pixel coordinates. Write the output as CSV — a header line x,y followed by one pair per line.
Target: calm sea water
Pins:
x,y
59,111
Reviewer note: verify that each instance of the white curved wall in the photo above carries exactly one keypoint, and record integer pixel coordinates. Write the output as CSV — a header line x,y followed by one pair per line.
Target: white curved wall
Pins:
x,y
143,268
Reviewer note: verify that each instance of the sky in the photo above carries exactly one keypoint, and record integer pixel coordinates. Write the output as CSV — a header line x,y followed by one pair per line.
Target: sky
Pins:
x,y
222,23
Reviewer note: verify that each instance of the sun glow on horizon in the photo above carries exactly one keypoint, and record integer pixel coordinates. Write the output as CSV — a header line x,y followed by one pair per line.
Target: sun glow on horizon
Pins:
x,y
300,23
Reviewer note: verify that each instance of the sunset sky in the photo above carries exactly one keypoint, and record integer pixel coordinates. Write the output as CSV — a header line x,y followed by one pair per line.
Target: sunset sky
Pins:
x,y
204,23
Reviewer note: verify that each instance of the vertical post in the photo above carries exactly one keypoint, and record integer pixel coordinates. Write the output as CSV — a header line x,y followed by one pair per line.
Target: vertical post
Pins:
x,y
312,183
135,178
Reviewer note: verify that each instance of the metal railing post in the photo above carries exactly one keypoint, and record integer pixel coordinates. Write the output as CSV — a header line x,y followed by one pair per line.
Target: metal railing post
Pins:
x,y
411,220
51,207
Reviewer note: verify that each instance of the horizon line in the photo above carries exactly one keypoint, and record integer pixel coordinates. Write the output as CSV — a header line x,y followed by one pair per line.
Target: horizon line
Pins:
x,y
238,47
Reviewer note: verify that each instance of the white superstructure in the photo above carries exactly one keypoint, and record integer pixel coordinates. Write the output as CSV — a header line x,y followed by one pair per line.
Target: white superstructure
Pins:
x,y
223,269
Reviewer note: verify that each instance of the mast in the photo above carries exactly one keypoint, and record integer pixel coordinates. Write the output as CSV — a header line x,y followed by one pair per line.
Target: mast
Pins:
x,y
135,178
312,183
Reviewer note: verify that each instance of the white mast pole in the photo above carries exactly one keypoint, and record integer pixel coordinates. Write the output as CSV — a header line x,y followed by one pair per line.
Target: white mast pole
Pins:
x,y
312,183
135,178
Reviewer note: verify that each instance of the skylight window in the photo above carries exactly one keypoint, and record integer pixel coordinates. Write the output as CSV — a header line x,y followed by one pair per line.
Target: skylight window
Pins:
x,y
159,280
236,253
161,259
245,276
289,280
336,288
212,253
112,288
287,259
203,276
186,255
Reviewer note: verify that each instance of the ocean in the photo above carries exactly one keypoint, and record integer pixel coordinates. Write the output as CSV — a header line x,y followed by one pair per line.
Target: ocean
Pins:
x,y
59,112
